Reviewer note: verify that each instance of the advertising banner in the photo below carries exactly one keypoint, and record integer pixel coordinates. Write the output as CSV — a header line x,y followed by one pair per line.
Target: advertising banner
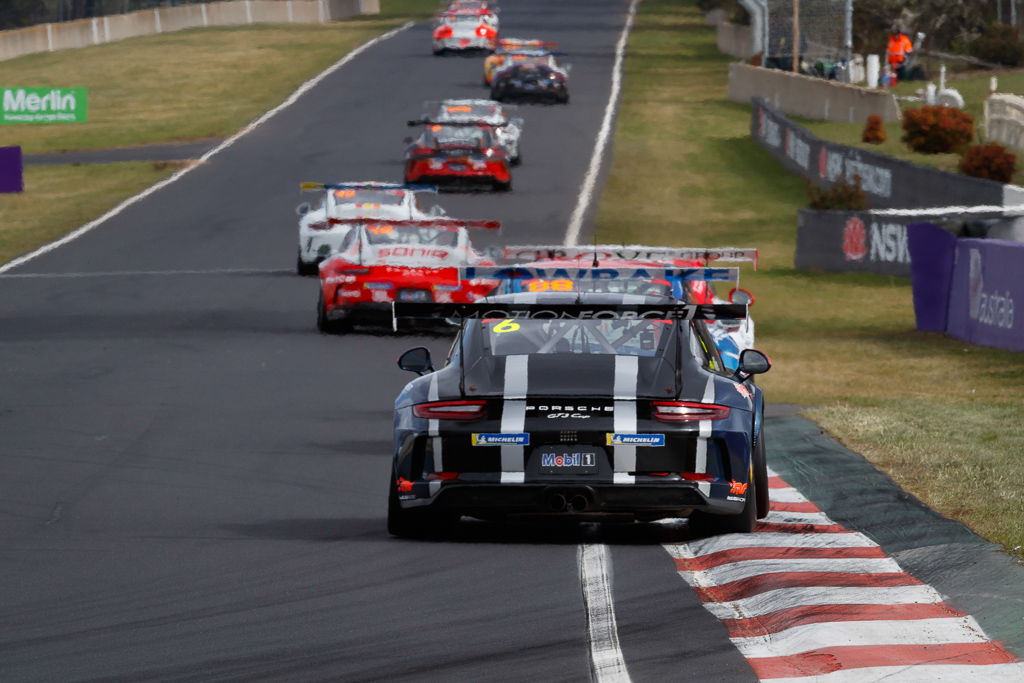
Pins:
x,y
11,178
842,241
44,105
932,251
986,288
888,182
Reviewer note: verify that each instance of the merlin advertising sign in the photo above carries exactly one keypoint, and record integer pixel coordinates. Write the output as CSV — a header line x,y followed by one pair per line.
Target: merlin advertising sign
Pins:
x,y
44,105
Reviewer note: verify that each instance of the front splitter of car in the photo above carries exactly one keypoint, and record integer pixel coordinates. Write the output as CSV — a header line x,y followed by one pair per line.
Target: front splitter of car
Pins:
x,y
579,498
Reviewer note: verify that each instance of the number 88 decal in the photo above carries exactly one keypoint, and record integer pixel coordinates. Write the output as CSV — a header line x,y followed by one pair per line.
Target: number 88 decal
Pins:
x,y
553,285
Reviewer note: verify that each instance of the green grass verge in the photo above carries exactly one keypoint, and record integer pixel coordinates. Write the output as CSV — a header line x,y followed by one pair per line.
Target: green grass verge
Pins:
x,y
943,418
198,83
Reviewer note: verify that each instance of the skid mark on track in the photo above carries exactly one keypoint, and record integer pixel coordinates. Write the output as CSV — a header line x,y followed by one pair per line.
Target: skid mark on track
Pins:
x,y
805,599
299,92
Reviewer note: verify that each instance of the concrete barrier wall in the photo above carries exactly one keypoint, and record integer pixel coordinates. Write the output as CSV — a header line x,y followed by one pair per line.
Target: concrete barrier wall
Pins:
x,y
811,98
85,32
736,40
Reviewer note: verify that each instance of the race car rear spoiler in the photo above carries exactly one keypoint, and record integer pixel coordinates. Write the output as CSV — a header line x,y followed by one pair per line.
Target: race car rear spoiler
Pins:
x,y
423,222
597,252
474,124
311,186
599,274
568,311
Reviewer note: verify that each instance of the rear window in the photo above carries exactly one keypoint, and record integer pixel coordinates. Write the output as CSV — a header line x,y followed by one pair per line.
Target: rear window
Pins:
x,y
381,197
508,336
405,234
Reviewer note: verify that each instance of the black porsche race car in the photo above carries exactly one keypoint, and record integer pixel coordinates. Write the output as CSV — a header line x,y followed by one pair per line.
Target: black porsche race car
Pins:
x,y
530,81
579,404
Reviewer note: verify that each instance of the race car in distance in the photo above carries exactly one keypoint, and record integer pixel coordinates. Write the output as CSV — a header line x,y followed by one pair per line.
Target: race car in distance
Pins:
x,y
463,30
380,262
531,80
507,130
322,229
458,156
510,50
731,336
591,405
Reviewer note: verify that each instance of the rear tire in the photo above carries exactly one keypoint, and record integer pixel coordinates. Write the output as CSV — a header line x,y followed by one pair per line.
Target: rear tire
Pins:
x,y
417,522
760,461
303,268
502,187
325,325
703,524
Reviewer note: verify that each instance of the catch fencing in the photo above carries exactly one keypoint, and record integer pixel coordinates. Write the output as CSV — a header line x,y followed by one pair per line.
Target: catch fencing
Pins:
x,y
824,27
85,32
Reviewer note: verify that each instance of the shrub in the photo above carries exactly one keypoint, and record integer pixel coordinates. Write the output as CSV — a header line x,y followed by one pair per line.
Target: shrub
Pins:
x,y
989,161
874,132
999,44
937,130
842,196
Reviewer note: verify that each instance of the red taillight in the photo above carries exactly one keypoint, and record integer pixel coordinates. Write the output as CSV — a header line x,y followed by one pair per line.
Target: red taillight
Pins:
x,y
688,411
696,476
450,410
442,476
443,32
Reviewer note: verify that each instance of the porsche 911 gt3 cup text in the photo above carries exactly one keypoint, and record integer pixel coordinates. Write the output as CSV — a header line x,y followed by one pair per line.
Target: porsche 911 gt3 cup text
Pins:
x,y
635,439
500,439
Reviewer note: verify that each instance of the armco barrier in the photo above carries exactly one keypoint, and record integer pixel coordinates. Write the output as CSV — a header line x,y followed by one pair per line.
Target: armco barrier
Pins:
x,y
85,32
983,282
809,97
888,182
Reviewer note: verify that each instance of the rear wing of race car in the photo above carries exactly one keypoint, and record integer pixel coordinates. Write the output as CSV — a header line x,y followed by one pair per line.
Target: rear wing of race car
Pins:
x,y
420,222
478,123
582,274
567,311
663,255
313,186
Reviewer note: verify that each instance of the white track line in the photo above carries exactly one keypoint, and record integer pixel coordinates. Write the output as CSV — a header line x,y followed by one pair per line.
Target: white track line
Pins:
x,y
606,661
136,273
572,233
299,92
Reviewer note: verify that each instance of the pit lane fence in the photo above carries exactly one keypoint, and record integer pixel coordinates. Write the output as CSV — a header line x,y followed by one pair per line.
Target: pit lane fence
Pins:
x,y
105,29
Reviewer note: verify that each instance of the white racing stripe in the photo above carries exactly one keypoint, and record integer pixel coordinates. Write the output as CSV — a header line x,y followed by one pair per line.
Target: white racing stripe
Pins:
x,y
299,92
785,598
716,544
572,233
513,417
433,431
627,370
703,434
862,633
734,571
921,673
606,661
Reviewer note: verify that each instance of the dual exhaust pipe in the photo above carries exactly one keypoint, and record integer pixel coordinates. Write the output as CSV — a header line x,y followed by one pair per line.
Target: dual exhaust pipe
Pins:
x,y
567,502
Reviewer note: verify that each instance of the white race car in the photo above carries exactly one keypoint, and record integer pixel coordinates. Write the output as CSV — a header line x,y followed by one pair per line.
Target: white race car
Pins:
x,y
322,229
463,30
486,112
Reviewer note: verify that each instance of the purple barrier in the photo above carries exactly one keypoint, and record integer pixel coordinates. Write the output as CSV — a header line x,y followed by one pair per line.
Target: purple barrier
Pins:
x,y
10,170
986,284
932,250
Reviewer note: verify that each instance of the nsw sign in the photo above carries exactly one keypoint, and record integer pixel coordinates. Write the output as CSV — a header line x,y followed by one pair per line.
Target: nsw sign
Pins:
x,y
43,105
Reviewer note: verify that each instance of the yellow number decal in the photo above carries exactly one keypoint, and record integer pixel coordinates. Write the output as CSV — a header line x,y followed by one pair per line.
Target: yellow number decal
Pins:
x,y
538,286
506,325
561,285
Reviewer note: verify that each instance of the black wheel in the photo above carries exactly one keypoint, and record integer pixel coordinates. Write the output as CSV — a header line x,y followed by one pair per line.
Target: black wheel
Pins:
x,y
517,159
496,96
502,187
439,53
303,268
703,524
325,325
760,462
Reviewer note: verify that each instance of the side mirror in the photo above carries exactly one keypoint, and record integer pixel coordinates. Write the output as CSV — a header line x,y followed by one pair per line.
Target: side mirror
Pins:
x,y
303,208
436,210
416,360
753,362
739,295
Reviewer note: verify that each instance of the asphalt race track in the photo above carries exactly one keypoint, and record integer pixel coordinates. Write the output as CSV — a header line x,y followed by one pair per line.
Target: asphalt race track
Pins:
x,y
193,479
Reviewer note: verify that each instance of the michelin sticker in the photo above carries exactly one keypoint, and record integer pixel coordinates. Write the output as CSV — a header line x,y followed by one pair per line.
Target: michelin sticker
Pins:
x,y
500,439
635,439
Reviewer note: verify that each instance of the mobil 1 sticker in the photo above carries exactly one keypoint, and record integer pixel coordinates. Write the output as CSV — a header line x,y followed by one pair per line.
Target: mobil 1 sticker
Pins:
x,y
567,459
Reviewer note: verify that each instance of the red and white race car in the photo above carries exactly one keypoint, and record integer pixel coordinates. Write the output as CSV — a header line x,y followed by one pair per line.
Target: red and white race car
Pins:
x,y
465,29
385,261
459,155
322,228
